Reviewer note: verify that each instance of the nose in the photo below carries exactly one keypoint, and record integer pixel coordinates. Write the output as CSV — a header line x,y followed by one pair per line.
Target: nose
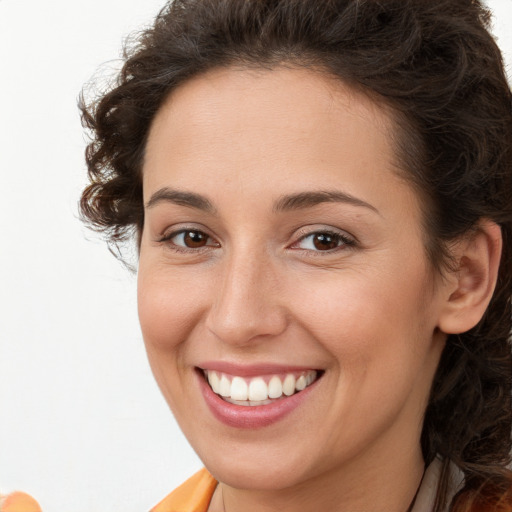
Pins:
x,y
246,304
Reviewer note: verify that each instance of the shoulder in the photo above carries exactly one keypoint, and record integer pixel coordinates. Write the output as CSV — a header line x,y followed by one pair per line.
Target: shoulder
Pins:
x,y
192,496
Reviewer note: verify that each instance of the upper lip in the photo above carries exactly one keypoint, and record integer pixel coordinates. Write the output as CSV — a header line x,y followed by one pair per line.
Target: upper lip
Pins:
x,y
251,370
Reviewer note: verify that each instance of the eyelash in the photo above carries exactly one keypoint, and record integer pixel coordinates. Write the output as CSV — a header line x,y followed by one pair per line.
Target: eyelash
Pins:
x,y
342,240
167,239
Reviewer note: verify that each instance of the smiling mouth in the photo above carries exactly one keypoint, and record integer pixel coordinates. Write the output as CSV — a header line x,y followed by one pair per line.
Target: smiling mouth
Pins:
x,y
260,390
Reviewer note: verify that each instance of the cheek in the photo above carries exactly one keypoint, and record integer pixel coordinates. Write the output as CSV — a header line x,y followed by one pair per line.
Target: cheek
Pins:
x,y
370,319
169,310
169,307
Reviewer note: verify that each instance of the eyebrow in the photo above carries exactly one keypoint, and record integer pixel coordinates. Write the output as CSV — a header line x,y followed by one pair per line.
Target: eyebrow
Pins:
x,y
303,200
190,199
289,202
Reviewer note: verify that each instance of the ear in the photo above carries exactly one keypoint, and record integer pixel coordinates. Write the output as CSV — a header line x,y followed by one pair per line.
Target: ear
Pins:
x,y
470,287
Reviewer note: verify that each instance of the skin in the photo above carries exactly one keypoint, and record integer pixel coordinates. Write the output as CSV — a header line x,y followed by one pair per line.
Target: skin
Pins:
x,y
366,312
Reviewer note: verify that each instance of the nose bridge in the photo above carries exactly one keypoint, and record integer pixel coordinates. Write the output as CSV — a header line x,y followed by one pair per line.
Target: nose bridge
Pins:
x,y
246,303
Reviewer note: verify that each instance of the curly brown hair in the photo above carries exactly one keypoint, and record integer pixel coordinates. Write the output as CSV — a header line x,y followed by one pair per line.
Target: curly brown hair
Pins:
x,y
439,70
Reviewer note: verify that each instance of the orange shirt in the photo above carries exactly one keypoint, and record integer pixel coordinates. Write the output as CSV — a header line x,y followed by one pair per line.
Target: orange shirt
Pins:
x,y
18,502
192,496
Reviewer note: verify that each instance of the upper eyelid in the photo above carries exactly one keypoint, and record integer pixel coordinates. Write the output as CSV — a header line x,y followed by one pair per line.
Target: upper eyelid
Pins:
x,y
173,231
308,231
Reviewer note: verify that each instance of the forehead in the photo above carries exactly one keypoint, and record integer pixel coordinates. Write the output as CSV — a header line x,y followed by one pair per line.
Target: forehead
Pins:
x,y
287,125
312,90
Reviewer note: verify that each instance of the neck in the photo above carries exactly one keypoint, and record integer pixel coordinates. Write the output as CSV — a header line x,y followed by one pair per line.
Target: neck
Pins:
x,y
385,485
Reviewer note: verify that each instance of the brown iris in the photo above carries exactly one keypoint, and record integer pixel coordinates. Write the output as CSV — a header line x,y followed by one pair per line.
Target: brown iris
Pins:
x,y
195,239
325,241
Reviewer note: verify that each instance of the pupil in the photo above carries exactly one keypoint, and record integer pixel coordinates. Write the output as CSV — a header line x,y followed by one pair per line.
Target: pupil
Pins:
x,y
325,242
195,239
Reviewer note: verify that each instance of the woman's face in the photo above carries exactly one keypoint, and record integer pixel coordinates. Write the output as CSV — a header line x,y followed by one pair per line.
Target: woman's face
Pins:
x,y
280,245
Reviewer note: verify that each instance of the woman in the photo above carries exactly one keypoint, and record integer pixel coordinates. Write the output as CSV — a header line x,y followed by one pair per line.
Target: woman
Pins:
x,y
322,198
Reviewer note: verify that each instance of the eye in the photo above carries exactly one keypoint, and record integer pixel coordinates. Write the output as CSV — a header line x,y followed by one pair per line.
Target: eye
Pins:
x,y
190,239
323,241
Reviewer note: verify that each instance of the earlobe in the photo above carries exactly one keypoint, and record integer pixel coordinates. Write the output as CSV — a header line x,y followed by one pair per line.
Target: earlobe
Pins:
x,y
472,283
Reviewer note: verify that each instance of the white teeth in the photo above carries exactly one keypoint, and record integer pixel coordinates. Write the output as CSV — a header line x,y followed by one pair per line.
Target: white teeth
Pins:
x,y
214,381
289,385
258,390
301,383
239,389
275,388
247,403
224,386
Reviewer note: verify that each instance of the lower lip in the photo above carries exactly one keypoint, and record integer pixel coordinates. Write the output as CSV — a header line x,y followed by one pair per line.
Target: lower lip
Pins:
x,y
251,417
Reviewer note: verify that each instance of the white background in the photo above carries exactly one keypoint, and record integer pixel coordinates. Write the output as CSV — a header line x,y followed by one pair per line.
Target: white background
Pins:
x,y
82,424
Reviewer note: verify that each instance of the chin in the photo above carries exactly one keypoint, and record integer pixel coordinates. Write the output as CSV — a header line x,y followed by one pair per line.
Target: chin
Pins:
x,y
265,475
